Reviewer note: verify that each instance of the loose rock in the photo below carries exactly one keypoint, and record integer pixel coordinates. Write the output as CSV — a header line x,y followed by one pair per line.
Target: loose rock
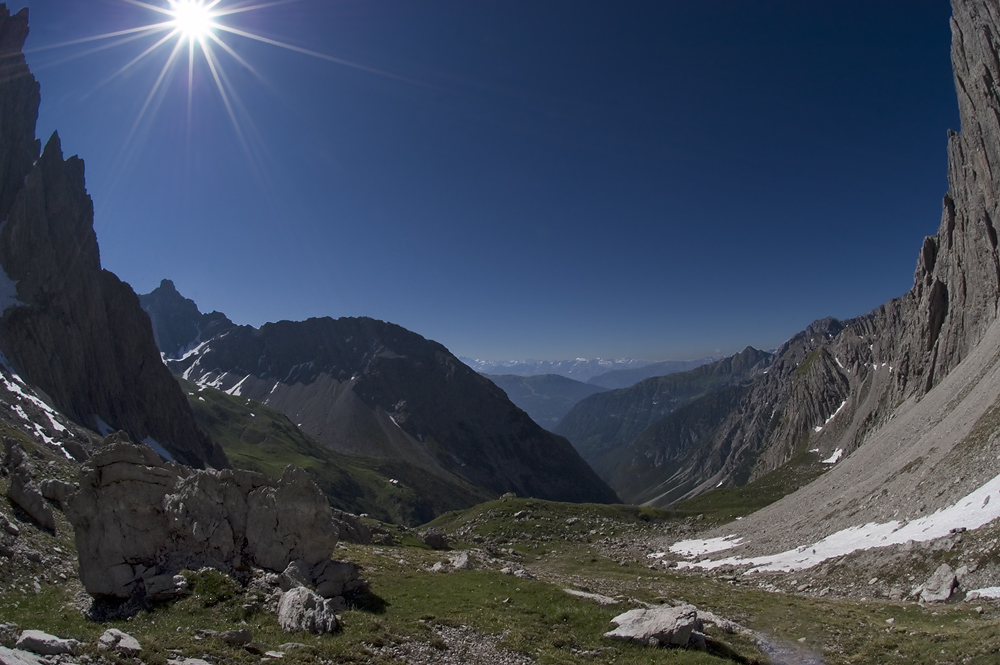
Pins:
x,y
940,586
302,610
44,644
659,625
118,641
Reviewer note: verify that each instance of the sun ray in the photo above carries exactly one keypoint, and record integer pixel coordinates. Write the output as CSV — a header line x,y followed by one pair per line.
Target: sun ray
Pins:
x,y
250,8
236,56
135,60
146,5
155,27
90,51
210,58
328,58
152,93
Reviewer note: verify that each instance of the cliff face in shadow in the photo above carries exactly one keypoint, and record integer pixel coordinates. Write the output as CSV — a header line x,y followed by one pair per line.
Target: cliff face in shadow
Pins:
x,y
71,329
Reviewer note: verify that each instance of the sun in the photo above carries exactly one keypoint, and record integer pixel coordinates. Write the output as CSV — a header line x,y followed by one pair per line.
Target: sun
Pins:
x,y
193,18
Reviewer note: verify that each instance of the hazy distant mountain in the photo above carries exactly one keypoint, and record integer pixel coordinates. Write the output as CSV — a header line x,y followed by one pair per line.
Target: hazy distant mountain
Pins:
x,y
623,378
581,369
375,390
610,421
546,397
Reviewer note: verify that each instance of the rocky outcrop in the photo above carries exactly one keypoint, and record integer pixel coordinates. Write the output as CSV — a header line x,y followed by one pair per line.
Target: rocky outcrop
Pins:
x,y
372,389
22,489
139,520
836,384
351,529
74,330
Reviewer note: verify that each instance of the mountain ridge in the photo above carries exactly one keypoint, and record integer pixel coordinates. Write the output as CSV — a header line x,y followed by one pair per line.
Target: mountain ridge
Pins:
x,y
374,389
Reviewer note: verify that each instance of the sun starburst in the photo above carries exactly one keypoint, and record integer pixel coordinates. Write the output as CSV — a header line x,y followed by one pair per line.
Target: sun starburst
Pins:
x,y
205,33
193,18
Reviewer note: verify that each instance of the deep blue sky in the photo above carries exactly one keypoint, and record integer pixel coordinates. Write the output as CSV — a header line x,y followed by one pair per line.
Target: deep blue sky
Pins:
x,y
537,178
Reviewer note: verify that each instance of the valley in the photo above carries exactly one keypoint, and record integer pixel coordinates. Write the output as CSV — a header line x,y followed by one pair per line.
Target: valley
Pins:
x,y
181,489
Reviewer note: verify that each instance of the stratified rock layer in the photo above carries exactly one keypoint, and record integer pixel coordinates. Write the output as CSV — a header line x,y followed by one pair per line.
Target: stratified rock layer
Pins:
x,y
138,519
77,332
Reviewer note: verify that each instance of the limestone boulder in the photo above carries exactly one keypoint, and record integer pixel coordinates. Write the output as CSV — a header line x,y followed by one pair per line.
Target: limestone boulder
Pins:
x,y
44,644
139,521
291,520
658,626
22,489
302,610
116,640
940,586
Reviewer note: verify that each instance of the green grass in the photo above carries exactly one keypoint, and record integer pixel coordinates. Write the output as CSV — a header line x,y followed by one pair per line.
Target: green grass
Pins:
x,y
723,505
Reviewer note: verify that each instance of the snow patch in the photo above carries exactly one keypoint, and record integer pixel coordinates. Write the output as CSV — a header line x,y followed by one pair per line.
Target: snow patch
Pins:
x,y
235,390
971,512
834,458
697,546
839,409
158,449
818,429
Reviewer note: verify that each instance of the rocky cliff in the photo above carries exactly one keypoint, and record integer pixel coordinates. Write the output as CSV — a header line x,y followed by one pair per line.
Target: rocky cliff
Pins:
x,y
834,386
69,328
603,424
373,389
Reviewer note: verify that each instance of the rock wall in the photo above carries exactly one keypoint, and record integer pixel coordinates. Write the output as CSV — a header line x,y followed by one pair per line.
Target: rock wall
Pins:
x,y
139,520
837,383
76,332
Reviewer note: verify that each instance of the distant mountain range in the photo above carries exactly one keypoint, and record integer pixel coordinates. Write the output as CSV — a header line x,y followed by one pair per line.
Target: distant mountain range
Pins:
x,y
603,372
373,390
546,397
603,424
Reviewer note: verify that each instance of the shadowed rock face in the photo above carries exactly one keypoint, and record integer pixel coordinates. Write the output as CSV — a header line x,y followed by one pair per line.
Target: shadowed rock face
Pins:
x,y
376,390
138,518
77,332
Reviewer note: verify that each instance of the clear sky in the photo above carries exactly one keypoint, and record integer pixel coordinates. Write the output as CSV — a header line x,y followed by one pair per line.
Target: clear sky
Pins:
x,y
517,178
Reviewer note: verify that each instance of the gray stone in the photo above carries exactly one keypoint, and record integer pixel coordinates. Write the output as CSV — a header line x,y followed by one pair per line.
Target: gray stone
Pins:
x,y
22,489
166,587
940,586
123,643
297,573
351,528
335,578
44,644
435,539
236,637
302,610
666,625
461,561
18,657
140,520
56,490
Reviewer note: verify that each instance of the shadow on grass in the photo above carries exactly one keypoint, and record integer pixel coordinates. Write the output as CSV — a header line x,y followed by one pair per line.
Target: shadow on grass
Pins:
x,y
365,600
